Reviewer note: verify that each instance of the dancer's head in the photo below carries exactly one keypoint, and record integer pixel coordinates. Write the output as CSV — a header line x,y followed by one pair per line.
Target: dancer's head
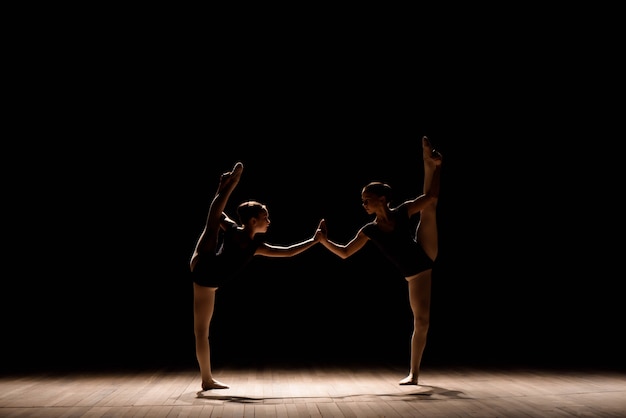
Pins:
x,y
253,214
375,194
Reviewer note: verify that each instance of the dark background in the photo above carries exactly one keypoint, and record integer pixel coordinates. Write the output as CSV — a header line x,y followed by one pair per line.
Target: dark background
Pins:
x,y
116,154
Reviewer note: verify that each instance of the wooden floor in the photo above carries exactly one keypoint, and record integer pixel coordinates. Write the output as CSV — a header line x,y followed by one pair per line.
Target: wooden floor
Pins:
x,y
317,392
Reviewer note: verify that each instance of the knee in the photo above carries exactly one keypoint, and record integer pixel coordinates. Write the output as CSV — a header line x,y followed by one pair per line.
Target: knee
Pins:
x,y
201,332
421,323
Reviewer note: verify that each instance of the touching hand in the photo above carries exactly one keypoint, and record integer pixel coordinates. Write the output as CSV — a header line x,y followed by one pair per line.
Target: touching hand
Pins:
x,y
321,233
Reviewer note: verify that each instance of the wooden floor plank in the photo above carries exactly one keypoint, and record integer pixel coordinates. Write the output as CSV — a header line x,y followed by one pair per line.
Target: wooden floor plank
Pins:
x,y
321,392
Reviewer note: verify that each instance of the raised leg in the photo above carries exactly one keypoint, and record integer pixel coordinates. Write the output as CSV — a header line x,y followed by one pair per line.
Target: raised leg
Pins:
x,y
427,234
208,238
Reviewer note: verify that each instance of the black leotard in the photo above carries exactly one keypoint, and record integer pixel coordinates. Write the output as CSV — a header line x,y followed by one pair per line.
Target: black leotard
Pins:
x,y
214,270
400,245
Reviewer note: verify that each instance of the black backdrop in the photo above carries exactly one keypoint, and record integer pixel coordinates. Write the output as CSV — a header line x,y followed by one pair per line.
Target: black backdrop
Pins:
x,y
111,174
100,274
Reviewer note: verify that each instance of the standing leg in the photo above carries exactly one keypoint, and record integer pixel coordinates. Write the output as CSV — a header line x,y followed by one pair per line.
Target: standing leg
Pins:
x,y
419,298
203,305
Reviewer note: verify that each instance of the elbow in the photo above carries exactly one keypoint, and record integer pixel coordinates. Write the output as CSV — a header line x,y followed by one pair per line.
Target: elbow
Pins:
x,y
343,254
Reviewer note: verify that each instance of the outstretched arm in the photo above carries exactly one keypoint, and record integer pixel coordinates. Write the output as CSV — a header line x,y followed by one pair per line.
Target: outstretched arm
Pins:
x,y
271,250
341,250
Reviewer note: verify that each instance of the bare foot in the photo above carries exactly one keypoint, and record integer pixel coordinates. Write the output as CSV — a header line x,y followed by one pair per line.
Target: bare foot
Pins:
x,y
231,178
409,380
431,156
214,384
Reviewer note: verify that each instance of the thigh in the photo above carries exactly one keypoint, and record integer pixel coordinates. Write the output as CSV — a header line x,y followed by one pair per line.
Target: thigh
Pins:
x,y
203,304
419,292
427,234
